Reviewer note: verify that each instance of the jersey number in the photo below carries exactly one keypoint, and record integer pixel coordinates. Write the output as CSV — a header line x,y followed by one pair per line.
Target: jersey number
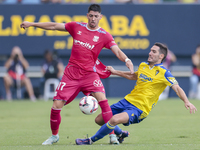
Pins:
x,y
61,85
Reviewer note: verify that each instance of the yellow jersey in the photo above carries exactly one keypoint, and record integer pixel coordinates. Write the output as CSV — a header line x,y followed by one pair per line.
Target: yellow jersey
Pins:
x,y
151,82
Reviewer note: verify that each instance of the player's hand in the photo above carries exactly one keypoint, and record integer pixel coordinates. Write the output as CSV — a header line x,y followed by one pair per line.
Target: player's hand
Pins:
x,y
130,66
111,69
25,24
190,106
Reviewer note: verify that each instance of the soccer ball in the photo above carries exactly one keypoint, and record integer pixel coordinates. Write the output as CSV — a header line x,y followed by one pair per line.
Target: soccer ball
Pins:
x,y
88,105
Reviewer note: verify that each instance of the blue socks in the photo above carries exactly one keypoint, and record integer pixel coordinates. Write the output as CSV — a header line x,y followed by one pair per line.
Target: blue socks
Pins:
x,y
117,130
103,131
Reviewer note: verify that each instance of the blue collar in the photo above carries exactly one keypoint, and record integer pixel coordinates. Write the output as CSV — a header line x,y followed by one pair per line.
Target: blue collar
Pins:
x,y
161,64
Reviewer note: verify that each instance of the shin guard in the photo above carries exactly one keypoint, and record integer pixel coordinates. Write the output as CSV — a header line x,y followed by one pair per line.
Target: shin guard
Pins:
x,y
55,120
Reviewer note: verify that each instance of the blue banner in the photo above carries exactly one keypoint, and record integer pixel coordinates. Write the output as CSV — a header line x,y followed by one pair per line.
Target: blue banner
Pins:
x,y
135,27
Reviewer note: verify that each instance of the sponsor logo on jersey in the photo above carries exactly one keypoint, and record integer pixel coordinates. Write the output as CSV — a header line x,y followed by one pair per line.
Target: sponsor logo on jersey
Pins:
x,y
96,38
97,83
79,32
172,79
157,71
153,105
144,78
86,45
97,62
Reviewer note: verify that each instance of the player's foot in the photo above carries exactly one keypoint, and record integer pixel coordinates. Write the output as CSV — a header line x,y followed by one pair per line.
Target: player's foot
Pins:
x,y
51,140
123,135
113,139
87,141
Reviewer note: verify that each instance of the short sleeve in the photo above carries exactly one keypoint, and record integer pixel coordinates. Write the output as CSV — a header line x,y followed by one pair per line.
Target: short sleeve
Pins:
x,y
170,78
69,26
110,41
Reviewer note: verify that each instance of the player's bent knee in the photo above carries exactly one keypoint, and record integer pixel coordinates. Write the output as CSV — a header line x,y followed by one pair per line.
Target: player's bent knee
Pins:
x,y
114,121
119,119
58,104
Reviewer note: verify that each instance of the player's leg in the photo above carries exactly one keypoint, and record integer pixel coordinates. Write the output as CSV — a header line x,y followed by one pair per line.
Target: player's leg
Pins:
x,y
106,113
105,129
123,106
55,119
117,130
116,109
93,85
133,114
66,91
99,120
103,103
121,118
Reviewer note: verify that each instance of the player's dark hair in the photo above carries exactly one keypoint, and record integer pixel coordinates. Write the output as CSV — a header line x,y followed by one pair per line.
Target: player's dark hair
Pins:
x,y
94,7
163,49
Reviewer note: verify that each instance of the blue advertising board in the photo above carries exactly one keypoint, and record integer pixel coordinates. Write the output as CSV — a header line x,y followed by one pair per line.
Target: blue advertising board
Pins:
x,y
134,27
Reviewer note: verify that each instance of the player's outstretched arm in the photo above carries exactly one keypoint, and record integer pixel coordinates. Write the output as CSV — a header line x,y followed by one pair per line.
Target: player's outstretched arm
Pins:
x,y
125,74
179,91
121,56
44,25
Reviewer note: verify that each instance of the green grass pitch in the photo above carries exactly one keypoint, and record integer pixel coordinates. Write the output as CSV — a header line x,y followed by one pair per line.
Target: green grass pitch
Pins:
x,y
169,126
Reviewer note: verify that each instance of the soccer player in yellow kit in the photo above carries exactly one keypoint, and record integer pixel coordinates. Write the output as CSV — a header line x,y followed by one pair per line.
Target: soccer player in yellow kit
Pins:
x,y
152,78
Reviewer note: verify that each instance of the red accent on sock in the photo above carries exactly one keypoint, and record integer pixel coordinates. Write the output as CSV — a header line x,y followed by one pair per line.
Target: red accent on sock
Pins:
x,y
55,119
106,110
112,132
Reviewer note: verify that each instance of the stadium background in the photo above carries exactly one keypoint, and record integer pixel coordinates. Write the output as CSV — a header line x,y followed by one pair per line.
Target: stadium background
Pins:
x,y
135,27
